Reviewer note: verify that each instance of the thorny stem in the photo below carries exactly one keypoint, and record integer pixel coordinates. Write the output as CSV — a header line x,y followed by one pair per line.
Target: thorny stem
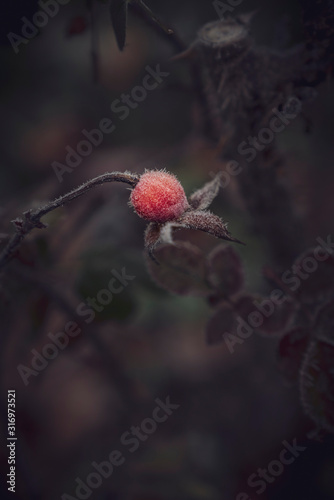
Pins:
x,y
32,218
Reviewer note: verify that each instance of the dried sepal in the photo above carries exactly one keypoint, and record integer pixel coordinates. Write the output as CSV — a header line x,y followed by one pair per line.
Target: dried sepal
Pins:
x,y
202,198
166,233
156,234
152,238
203,220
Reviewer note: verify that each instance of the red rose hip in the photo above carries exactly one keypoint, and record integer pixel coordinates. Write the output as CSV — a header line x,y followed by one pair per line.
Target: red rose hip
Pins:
x,y
159,197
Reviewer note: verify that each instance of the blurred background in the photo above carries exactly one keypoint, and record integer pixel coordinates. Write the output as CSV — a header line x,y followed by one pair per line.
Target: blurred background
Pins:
x,y
235,409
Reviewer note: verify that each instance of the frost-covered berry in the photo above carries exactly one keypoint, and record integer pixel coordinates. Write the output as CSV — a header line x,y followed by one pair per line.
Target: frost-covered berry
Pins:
x,y
159,197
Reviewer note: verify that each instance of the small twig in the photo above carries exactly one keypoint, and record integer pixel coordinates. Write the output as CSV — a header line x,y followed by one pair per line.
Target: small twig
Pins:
x,y
147,15
32,218
152,18
173,38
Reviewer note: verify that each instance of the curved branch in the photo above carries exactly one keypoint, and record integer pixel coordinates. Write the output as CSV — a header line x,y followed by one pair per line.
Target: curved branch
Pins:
x,y
32,218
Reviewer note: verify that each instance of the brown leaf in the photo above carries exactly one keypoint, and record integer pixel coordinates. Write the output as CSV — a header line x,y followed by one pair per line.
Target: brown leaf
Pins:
x,y
316,276
222,321
317,384
180,269
265,316
324,324
225,271
291,351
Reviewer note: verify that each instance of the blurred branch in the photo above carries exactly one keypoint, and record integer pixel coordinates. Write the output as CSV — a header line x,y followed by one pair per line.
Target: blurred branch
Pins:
x,y
32,218
168,33
172,37
94,41
112,363
148,15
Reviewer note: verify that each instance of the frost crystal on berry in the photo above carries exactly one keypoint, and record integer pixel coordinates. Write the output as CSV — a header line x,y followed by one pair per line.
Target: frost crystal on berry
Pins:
x,y
159,197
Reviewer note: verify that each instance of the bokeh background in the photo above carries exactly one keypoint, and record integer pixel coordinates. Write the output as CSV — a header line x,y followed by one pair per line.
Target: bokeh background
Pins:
x,y
235,409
